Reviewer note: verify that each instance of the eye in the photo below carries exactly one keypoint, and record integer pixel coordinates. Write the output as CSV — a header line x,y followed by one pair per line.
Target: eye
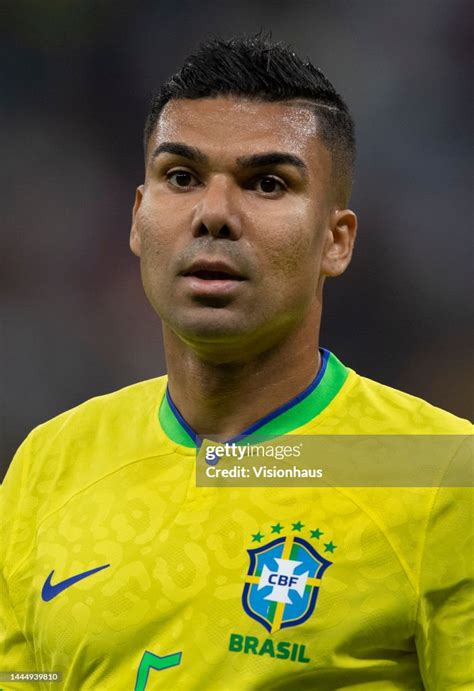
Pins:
x,y
181,179
269,185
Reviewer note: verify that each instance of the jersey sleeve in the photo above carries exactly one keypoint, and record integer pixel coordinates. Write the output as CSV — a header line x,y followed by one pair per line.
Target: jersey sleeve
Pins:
x,y
16,654
445,626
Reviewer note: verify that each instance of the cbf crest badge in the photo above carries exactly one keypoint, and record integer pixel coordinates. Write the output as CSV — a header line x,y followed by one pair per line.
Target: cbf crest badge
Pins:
x,y
282,584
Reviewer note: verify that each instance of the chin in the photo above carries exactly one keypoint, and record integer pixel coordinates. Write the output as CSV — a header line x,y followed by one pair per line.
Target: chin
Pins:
x,y
219,329
215,333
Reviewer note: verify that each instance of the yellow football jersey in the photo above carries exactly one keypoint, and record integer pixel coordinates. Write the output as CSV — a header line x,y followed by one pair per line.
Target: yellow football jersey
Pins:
x,y
120,574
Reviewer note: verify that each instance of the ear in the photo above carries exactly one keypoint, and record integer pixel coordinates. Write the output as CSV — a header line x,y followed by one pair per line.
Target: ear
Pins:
x,y
135,240
337,252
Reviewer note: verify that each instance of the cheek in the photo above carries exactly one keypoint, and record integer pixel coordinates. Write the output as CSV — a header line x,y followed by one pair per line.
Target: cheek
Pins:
x,y
155,237
293,251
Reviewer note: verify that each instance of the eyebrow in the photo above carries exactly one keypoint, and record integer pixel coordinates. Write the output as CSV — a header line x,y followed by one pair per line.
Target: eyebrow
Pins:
x,y
271,158
183,150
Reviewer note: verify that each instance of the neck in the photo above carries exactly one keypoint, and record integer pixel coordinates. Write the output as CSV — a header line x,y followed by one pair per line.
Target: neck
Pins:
x,y
227,398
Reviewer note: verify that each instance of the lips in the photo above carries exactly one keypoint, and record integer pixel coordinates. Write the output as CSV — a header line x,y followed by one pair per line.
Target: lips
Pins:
x,y
213,270
207,275
212,282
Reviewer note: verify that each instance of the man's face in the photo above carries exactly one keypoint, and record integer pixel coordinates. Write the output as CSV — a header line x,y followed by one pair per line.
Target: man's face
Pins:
x,y
231,223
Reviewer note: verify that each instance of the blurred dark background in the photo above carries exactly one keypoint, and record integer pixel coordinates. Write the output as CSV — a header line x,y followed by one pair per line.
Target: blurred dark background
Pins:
x,y
76,82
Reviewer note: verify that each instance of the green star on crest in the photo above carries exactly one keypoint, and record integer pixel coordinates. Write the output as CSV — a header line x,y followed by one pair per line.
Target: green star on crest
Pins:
x,y
329,547
297,526
257,537
316,533
277,528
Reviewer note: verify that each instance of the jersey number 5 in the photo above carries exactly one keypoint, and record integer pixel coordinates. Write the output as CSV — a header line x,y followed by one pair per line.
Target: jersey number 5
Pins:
x,y
152,661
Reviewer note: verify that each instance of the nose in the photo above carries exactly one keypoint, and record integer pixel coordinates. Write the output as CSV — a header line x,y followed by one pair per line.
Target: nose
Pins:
x,y
216,213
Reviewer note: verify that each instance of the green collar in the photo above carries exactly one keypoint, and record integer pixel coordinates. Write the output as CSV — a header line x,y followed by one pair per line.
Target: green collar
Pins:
x,y
293,414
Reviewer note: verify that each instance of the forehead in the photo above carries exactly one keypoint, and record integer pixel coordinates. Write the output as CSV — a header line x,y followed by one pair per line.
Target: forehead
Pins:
x,y
230,127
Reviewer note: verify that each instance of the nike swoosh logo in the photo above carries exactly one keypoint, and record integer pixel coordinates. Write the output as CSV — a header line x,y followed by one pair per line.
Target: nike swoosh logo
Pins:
x,y
49,590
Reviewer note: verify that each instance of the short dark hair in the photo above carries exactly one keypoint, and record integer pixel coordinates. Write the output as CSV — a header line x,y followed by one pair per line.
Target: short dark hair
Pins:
x,y
260,69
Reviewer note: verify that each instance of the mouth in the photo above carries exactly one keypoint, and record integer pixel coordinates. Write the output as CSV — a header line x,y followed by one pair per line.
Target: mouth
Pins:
x,y
207,275
212,278
213,271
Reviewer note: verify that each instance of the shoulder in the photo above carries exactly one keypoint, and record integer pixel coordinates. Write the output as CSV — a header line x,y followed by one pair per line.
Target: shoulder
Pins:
x,y
76,450
89,441
369,407
132,404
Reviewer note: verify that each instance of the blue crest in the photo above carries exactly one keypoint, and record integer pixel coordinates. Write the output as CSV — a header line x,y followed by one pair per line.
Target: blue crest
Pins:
x,y
282,583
